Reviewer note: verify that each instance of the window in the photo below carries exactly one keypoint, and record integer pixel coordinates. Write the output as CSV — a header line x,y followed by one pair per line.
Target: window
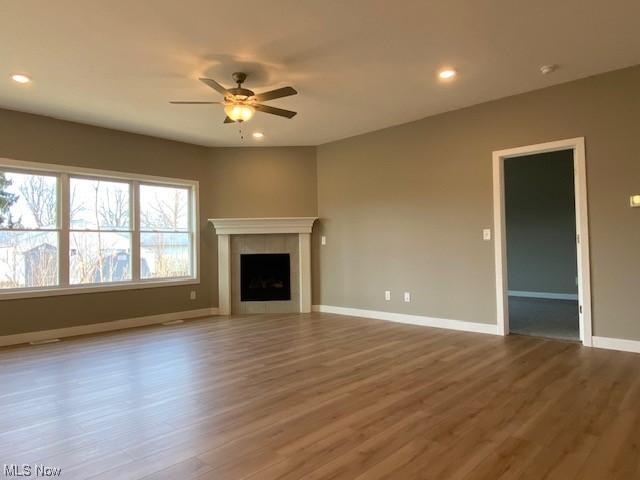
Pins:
x,y
29,234
100,231
165,235
64,230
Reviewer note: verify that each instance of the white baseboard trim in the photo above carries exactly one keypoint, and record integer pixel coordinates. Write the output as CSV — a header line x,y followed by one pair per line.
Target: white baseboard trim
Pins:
x,y
43,335
617,344
620,344
411,319
549,295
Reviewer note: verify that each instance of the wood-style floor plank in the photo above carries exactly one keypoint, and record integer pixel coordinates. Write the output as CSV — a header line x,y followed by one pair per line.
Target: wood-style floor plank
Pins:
x,y
319,396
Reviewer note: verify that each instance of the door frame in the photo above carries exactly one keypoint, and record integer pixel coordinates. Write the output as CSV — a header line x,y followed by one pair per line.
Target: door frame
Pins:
x,y
582,230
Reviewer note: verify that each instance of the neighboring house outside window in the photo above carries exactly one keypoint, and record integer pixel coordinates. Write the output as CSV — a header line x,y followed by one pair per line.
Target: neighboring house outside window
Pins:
x,y
29,229
62,229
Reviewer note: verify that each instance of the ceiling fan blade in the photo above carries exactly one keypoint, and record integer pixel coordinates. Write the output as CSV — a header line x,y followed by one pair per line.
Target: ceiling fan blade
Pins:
x,y
275,111
215,85
277,93
195,103
228,120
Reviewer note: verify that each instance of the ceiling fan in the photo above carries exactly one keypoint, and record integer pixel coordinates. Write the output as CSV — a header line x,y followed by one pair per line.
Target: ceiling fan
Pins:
x,y
240,104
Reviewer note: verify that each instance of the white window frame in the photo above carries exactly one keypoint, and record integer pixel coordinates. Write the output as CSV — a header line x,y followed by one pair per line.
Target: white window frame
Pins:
x,y
63,173
140,231
68,231
58,230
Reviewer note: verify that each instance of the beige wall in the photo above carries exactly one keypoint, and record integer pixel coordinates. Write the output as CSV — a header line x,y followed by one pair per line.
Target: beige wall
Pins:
x,y
263,182
403,208
230,185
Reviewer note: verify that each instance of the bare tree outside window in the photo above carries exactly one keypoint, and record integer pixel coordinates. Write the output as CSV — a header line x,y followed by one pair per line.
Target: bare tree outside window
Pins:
x,y
28,246
165,238
114,209
40,196
98,228
100,234
7,199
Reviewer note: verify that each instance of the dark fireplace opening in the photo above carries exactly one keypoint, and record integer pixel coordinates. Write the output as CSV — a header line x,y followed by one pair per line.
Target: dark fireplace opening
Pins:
x,y
265,277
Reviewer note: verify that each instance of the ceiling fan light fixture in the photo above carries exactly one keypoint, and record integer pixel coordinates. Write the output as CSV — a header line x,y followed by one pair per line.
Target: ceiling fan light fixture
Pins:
x,y
239,112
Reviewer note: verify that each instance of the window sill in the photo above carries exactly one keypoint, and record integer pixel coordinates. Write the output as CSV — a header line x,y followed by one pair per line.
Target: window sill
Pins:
x,y
84,289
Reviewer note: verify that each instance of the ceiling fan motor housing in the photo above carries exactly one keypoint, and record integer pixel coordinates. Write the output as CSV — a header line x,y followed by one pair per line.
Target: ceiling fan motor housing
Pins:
x,y
239,77
239,91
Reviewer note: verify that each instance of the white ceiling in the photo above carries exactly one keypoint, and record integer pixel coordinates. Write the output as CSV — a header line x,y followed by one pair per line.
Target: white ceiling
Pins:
x,y
359,65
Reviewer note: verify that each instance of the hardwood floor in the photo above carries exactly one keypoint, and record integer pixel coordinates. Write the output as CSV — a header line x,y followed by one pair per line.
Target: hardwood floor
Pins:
x,y
319,397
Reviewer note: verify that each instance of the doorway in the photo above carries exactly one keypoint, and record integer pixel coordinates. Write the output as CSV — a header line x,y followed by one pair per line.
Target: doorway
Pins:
x,y
541,241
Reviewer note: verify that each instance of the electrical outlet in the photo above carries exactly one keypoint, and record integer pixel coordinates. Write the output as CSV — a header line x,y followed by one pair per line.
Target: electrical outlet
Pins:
x,y
387,295
323,240
192,295
407,297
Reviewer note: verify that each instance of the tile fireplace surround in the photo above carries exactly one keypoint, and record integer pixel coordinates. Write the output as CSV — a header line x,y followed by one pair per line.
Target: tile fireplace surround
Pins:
x,y
225,227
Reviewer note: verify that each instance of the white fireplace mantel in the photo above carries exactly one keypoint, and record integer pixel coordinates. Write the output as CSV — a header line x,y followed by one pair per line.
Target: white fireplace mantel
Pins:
x,y
243,226
225,227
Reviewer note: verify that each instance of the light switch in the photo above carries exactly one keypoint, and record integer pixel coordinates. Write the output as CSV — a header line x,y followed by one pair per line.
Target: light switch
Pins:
x,y
387,295
323,240
486,234
635,200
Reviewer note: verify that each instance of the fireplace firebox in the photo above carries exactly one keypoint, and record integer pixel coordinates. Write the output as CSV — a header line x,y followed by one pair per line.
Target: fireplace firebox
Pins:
x,y
265,277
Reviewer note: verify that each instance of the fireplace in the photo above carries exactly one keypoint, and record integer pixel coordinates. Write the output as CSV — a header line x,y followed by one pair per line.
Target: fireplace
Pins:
x,y
254,236
265,277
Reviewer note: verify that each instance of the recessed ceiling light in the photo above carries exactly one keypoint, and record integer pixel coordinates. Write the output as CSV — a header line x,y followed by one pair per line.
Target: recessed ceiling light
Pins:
x,y
447,73
20,78
258,135
546,69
